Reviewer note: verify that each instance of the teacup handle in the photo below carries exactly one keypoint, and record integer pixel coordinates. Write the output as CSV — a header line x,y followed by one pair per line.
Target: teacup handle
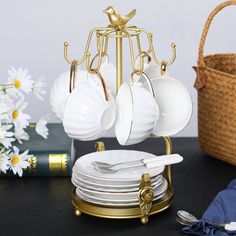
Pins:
x,y
95,57
103,84
73,70
138,72
141,56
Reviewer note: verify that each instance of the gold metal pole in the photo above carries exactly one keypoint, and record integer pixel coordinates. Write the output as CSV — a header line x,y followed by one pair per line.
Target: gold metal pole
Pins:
x,y
168,143
118,60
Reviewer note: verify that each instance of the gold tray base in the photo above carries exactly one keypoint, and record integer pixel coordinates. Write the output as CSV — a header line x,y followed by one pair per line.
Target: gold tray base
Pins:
x,y
81,206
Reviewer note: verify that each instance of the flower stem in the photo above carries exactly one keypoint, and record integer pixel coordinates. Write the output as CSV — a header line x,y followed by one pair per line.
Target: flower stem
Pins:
x,y
5,85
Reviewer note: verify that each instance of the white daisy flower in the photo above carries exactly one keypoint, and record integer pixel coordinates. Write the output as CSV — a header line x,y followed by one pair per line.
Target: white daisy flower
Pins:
x,y
20,79
20,135
41,127
4,110
38,88
6,105
6,137
4,162
20,119
18,162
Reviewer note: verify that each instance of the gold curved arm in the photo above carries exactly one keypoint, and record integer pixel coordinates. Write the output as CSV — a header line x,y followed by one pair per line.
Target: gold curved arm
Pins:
x,y
102,39
106,44
151,48
132,54
138,44
86,51
100,53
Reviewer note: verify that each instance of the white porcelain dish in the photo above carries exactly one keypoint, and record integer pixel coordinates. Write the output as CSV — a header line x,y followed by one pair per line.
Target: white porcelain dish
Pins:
x,y
116,204
113,203
137,114
84,167
174,103
88,115
83,183
121,197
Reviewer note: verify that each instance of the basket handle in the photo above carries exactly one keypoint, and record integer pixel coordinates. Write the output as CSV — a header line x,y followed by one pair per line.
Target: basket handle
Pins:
x,y
206,29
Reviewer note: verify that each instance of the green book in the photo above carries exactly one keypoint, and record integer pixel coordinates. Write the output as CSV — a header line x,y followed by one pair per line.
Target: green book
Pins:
x,y
53,156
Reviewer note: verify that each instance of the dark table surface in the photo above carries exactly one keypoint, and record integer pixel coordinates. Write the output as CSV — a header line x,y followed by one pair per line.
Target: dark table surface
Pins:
x,y
42,206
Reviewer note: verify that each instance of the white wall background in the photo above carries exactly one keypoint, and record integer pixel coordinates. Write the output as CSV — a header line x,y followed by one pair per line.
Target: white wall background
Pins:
x,y
32,35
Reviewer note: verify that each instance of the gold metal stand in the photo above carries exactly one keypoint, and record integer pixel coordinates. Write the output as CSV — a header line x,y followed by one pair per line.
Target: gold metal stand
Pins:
x,y
119,30
146,207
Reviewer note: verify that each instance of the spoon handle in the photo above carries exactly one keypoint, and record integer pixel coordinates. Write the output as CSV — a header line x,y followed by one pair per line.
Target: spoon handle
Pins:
x,y
230,226
157,158
173,159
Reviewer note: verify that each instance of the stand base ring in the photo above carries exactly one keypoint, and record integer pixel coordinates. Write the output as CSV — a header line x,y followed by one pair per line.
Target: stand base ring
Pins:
x,y
110,212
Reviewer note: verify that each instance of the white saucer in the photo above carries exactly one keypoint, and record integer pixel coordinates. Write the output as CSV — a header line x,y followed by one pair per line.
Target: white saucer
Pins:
x,y
109,183
80,183
84,197
84,167
121,197
106,203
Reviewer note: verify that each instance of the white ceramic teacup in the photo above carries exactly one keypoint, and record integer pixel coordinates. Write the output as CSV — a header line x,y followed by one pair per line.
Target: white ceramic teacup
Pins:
x,y
60,90
173,99
175,105
137,112
90,110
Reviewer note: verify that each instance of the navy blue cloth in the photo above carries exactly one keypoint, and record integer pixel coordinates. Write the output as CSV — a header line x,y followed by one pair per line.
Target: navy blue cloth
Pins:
x,y
221,210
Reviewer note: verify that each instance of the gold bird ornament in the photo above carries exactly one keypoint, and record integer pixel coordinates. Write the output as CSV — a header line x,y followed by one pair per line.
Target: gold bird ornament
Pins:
x,y
117,20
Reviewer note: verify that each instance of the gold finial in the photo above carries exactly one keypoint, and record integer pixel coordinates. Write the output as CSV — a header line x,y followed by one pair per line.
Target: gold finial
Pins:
x,y
117,20
100,146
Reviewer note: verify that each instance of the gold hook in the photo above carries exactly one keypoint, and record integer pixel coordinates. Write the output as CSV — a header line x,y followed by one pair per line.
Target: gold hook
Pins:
x,y
88,63
102,50
66,53
73,70
106,94
132,54
93,60
86,51
99,55
151,48
173,45
142,55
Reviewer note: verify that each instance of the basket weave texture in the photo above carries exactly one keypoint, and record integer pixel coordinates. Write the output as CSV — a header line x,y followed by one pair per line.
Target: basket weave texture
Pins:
x,y
216,85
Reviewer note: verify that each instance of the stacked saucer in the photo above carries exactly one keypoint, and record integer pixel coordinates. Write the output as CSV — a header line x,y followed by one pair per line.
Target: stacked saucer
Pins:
x,y
119,187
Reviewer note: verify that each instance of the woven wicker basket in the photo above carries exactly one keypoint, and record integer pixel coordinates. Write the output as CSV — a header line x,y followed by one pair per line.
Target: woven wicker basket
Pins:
x,y
216,85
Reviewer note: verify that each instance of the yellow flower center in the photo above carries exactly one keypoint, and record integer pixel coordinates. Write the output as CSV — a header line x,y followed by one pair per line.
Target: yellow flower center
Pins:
x,y
15,114
15,160
17,83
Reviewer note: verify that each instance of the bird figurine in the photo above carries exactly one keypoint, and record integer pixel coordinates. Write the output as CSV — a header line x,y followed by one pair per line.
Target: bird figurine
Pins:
x,y
117,20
